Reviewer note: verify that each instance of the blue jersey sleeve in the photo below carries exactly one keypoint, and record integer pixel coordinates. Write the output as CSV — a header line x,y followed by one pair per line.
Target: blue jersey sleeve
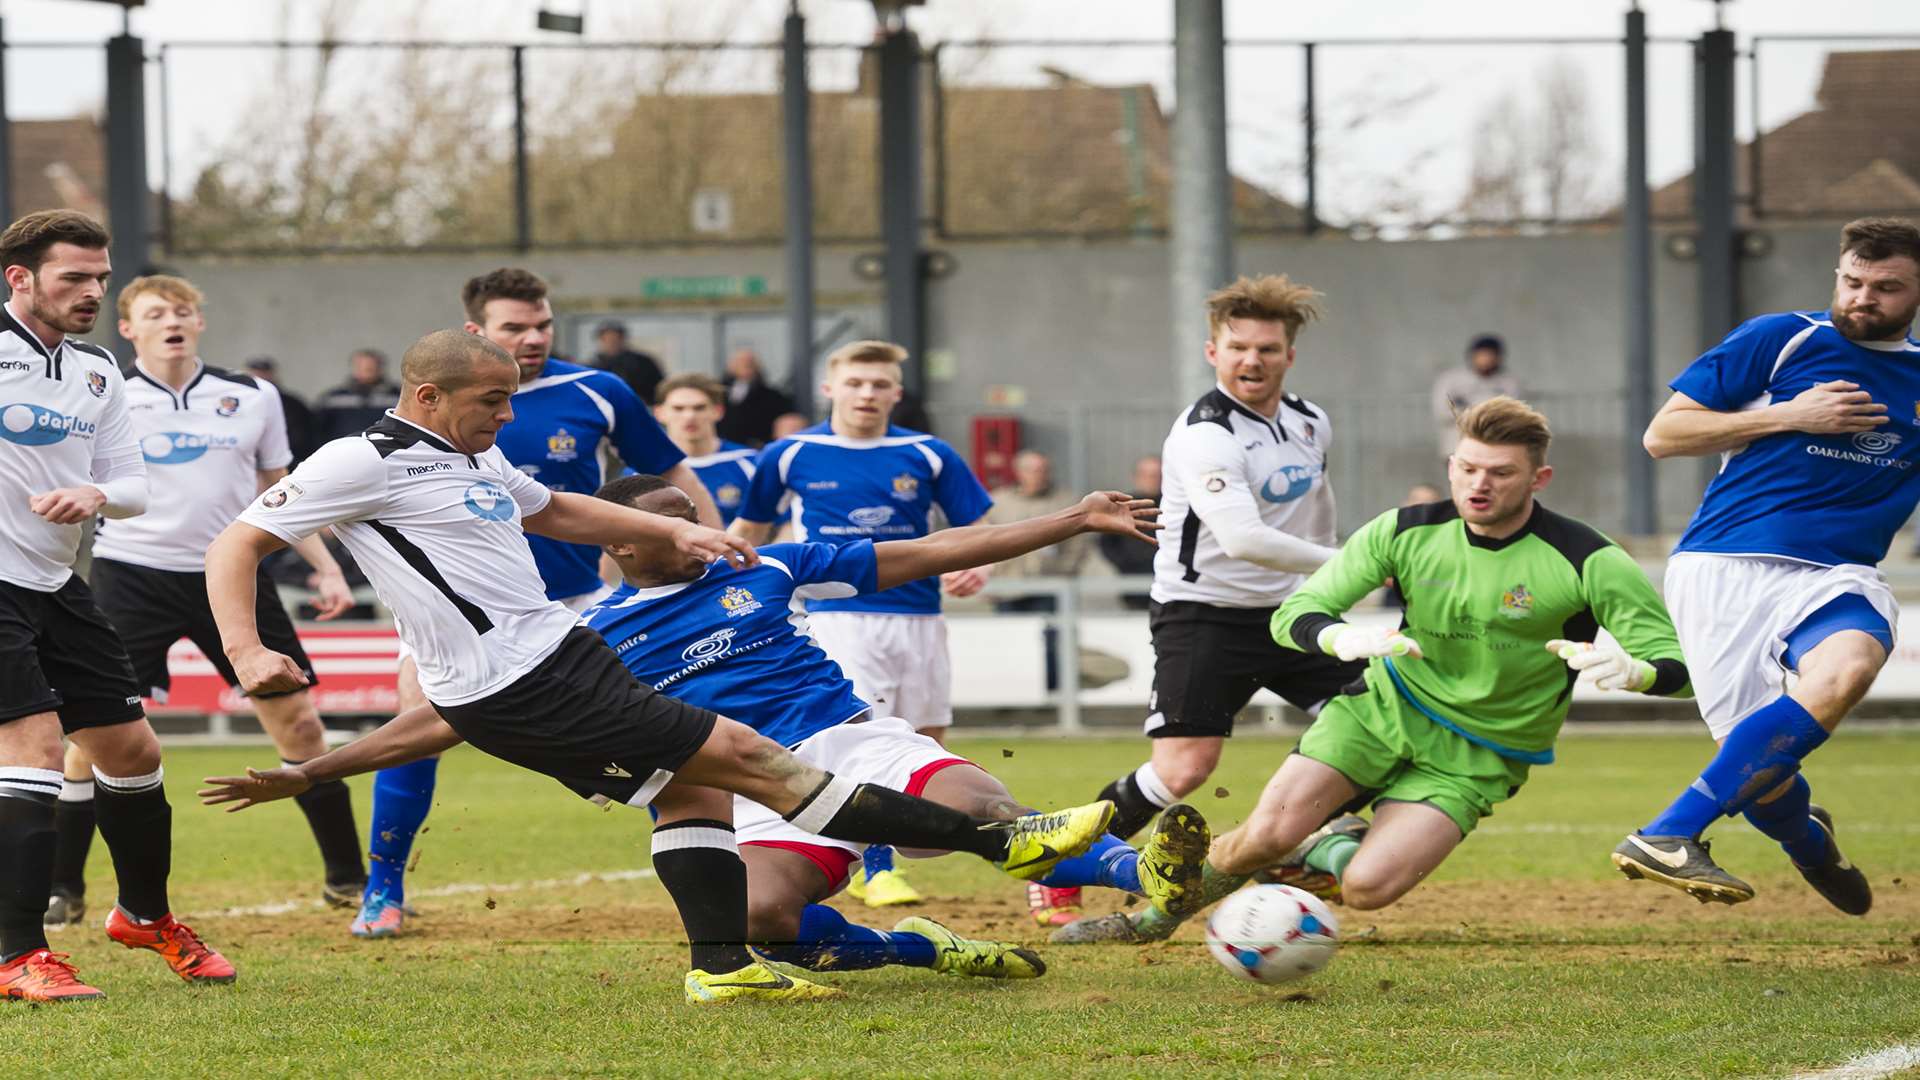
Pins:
x,y
958,491
642,443
852,564
765,489
1740,368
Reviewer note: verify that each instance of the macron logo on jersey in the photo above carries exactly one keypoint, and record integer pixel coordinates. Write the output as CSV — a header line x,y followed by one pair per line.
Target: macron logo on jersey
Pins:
x,y
180,447
34,425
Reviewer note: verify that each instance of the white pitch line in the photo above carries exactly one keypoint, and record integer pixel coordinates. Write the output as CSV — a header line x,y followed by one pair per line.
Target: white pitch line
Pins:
x,y
1587,829
462,888
1872,1066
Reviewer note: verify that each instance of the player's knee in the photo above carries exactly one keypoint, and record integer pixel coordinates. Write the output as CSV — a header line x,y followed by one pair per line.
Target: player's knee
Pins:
x,y
131,751
772,918
1366,888
1271,836
1186,771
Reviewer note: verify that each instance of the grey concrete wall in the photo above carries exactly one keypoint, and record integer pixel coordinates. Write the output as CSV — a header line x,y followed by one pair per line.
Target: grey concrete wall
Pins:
x,y
1082,329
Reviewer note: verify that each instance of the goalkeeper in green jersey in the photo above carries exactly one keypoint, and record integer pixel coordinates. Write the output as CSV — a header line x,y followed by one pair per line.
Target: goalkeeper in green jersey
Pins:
x,y
1503,601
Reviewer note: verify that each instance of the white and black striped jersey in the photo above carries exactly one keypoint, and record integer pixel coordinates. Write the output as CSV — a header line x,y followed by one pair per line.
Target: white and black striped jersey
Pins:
x,y
1223,460
63,423
204,448
438,534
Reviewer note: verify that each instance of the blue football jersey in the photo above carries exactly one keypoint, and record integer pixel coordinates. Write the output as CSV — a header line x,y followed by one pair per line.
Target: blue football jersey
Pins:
x,y
725,473
559,422
735,642
1824,499
845,490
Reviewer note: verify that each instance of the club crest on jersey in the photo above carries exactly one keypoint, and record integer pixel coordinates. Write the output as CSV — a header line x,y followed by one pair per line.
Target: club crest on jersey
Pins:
x,y
738,601
489,500
562,446
228,405
727,495
1516,603
906,488
97,383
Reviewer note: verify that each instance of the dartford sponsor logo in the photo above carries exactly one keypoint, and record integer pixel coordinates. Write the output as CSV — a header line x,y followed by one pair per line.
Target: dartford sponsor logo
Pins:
x,y
1869,448
180,447
35,425
489,500
1288,483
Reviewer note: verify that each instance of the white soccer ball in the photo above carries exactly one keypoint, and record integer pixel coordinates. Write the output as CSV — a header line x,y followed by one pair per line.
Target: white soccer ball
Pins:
x,y
1272,934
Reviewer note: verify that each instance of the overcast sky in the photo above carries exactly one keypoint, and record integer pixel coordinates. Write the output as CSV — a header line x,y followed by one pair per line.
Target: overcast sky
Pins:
x,y
1392,116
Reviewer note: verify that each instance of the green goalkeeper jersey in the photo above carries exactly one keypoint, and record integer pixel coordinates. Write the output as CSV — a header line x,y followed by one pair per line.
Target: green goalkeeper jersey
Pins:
x,y
1483,610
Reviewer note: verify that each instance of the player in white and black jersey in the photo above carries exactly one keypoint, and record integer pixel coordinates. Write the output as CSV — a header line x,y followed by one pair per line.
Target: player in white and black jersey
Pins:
x,y
212,439
68,453
434,514
1248,515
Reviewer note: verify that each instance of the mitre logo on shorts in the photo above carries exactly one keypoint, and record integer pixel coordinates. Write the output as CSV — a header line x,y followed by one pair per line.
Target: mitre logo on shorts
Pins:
x,y
710,646
281,494
737,602
906,488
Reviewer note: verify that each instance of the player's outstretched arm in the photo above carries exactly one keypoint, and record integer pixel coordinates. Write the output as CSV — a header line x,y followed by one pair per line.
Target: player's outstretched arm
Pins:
x,y
1310,619
1684,427
583,519
901,561
1644,656
233,565
415,734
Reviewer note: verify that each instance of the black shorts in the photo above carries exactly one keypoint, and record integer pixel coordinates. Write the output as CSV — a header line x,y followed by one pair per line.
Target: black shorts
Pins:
x,y
59,654
583,719
152,609
1208,661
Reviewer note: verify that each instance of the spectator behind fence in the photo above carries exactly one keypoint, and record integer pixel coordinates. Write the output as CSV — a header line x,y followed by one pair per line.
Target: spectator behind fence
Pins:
x,y
355,405
1136,558
1032,494
301,438
635,368
1459,389
752,405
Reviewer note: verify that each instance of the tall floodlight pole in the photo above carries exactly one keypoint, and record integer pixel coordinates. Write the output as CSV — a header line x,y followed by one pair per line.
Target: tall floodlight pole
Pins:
x,y
1202,256
1642,491
799,206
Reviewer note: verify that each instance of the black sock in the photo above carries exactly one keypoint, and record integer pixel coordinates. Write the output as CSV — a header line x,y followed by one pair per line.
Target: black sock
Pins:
x,y
1132,810
869,814
73,825
26,857
699,863
137,825
329,810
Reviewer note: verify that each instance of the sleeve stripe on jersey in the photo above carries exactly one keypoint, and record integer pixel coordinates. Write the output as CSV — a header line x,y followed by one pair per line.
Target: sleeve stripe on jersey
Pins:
x,y
777,565
423,566
933,459
605,406
786,459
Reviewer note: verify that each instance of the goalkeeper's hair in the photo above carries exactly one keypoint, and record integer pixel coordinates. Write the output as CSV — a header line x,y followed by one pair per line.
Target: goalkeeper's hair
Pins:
x,y
1506,421
1267,298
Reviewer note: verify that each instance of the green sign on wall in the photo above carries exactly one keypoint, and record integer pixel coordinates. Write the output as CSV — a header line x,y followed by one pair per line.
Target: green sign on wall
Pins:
x,y
707,287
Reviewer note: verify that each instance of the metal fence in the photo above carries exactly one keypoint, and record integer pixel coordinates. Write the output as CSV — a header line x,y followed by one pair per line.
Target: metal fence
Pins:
x,y
414,146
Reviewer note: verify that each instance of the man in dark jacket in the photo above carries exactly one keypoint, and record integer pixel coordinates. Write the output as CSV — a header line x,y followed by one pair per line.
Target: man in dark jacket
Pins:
x,y
354,405
752,405
636,369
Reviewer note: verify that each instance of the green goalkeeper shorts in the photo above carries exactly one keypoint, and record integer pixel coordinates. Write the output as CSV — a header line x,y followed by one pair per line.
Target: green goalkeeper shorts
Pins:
x,y
1383,744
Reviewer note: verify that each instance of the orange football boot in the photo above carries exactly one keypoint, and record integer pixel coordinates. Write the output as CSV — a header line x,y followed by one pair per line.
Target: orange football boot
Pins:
x,y
44,976
186,954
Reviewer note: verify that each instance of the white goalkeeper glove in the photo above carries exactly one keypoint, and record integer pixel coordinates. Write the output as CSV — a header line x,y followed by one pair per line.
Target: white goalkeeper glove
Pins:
x,y
1349,642
1608,664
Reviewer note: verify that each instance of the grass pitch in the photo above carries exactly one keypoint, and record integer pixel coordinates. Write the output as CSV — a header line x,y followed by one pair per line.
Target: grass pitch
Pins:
x,y
546,949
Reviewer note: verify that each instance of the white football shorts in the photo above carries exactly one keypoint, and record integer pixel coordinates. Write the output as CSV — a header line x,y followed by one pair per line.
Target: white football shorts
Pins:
x,y
898,663
1734,612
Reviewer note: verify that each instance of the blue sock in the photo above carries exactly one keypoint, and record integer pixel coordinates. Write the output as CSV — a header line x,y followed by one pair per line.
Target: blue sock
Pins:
x,y
1109,863
402,796
877,860
1787,820
1762,751
828,942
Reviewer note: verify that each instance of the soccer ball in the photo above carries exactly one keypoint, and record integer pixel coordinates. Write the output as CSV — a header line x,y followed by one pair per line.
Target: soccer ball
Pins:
x,y
1272,934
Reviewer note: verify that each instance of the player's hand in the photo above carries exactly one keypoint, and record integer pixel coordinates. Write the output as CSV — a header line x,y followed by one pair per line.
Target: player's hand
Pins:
x,y
254,788
709,544
332,598
1120,514
964,583
1835,408
263,671
68,506
1606,665
1349,642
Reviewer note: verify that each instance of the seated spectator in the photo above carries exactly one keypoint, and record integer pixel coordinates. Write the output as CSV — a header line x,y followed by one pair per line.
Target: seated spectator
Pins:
x,y
1127,555
355,405
635,368
752,405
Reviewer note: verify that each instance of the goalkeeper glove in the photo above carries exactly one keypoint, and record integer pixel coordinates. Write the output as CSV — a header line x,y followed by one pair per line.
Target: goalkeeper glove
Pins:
x,y
1608,664
1349,642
